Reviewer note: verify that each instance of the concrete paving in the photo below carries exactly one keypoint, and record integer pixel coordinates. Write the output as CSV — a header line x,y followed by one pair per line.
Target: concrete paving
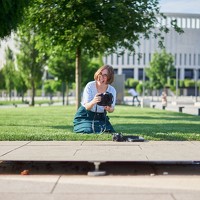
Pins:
x,y
188,104
97,188
186,108
162,186
100,151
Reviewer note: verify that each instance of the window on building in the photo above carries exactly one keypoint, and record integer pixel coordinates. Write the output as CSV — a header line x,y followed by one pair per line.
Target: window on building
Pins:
x,y
175,58
185,59
128,58
106,59
199,59
117,60
140,74
129,73
133,59
150,57
183,23
188,23
189,73
198,75
180,59
139,60
194,59
144,59
197,23
190,59
193,23
111,59
179,22
122,59
174,73
115,71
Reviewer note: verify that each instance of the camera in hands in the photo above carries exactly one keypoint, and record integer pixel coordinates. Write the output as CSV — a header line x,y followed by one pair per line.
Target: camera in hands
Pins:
x,y
106,99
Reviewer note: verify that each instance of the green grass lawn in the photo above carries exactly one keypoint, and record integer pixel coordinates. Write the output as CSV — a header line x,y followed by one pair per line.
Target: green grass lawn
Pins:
x,y
56,123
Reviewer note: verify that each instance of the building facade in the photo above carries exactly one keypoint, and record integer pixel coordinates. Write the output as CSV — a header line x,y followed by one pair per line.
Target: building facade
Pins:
x,y
184,47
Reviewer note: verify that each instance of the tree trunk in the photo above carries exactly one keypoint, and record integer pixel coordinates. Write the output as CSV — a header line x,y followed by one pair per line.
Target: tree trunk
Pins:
x,y
63,92
22,97
78,77
33,94
10,94
67,94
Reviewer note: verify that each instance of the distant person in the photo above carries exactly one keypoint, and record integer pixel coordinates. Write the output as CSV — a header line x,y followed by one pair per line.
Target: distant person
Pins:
x,y
164,98
135,95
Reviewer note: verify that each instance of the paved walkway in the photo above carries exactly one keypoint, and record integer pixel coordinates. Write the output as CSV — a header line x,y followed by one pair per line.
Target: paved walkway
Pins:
x,y
162,186
186,108
187,103
101,151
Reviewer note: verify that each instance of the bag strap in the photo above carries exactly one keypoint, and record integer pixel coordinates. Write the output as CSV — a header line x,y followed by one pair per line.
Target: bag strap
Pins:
x,y
93,121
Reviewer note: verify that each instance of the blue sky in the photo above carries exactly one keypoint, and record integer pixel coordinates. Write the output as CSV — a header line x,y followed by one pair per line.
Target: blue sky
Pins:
x,y
180,6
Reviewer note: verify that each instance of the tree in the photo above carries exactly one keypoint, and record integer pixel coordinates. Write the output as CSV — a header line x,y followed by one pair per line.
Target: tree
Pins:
x,y
131,83
9,71
2,78
30,63
20,84
50,87
61,65
94,26
11,15
161,68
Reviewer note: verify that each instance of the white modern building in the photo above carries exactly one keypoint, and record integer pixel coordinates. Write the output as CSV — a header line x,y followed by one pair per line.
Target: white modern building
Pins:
x,y
184,47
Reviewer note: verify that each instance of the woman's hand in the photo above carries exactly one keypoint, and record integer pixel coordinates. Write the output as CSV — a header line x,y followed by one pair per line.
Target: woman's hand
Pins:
x,y
109,108
95,100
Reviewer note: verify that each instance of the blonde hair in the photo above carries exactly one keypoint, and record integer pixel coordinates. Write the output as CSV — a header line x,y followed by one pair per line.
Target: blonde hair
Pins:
x,y
110,73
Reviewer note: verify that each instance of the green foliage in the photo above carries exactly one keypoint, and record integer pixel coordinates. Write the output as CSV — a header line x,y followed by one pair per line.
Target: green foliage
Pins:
x,y
139,88
189,83
11,14
131,83
52,86
171,82
2,78
181,83
12,77
148,85
89,67
161,68
20,84
61,64
9,71
198,84
172,88
89,24
30,63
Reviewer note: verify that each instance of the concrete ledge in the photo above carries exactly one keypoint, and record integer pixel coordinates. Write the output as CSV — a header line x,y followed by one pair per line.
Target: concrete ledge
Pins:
x,y
145,103
197,104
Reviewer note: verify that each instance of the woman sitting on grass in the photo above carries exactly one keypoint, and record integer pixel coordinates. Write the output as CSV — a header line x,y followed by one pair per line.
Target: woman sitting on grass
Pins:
x,y
91,117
